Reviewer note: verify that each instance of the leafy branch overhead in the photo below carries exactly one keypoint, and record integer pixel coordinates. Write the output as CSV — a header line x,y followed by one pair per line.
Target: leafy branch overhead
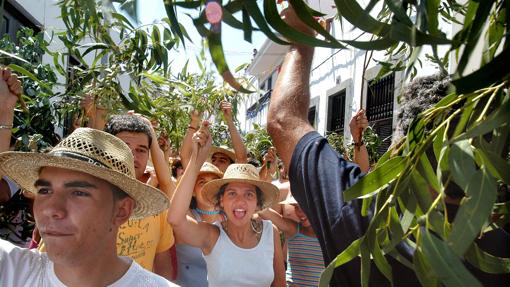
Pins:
x,y
454,152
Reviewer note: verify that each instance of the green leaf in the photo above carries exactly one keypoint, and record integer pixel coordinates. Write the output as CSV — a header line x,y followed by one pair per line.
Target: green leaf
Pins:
x,y
345,256
29,74
499,118
365,263
486,262
380,261
376,179
414,37
426,170
379,44
274,19
247,26
305,14
423,270
93,46
420,191
122,19
189,4
398,12
174,23
230,20
445,264
475,31
10,55
156,37
497,166
258,17
461,162
493,72
473,212
361,19
218,56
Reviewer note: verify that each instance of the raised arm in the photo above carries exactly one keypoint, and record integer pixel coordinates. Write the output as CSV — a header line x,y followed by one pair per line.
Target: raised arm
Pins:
x,y
199,234
285,225
358,124
10,91
96,114
161,166
235,136
269,163
287,120
187,142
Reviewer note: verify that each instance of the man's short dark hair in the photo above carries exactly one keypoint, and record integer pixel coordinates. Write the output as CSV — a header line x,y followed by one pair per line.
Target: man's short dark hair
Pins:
x,y
128,123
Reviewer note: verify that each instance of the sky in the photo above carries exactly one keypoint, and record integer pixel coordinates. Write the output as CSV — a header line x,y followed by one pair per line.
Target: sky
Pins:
x,y
237,50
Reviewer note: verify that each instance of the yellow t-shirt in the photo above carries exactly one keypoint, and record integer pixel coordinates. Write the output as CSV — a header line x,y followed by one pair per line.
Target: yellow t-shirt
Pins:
x,y
142,239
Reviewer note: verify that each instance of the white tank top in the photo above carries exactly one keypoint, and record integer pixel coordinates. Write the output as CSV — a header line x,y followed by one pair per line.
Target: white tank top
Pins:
x,y
229,265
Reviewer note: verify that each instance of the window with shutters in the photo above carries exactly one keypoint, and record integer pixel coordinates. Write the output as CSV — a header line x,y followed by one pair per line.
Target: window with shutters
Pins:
x,y
380,98
336,112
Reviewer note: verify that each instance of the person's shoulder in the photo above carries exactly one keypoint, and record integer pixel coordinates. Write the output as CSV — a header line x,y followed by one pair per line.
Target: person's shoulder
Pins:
x,y
19,264
138,276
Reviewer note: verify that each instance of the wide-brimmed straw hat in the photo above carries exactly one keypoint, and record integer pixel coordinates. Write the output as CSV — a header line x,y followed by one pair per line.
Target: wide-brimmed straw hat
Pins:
x,y
224,150
93,152
209,168
243,173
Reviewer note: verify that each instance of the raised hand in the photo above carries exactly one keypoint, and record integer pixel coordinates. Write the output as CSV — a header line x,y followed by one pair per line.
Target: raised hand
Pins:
x,y
358,124
10,89
226,108
202,142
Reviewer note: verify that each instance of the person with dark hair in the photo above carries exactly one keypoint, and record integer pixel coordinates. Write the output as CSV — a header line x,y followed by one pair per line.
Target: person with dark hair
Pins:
x,y
147,240
318,174
84,190
419,95
239,251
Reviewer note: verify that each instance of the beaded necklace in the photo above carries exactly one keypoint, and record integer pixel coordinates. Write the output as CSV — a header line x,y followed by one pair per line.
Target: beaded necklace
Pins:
x,y
207,212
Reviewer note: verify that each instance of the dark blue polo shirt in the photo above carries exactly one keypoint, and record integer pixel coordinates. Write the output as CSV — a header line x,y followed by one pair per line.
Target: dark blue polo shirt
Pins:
x,y
318,176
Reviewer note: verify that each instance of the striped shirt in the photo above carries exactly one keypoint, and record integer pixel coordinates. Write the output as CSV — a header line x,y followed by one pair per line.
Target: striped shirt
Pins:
x,y
305,260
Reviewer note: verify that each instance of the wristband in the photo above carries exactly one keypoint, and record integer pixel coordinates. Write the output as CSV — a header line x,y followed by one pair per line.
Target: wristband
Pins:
x,y
192,128
358,144
5,127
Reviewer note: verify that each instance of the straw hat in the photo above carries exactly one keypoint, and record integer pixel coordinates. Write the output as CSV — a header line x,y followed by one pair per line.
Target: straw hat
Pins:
x,y
209,168
224,150
244,173
93,152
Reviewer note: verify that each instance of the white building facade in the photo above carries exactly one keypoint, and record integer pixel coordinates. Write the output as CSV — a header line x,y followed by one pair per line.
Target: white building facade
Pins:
x,y
339,85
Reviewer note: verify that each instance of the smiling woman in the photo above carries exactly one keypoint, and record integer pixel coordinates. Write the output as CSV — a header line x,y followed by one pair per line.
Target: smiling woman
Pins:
x,y
240,251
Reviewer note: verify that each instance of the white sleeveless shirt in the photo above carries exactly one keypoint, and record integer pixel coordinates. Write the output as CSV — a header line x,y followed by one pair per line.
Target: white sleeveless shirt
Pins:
x,y
229,265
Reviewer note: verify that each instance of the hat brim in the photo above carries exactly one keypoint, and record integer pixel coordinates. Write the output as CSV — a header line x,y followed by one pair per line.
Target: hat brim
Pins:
x,y
269,191
23,168
228,153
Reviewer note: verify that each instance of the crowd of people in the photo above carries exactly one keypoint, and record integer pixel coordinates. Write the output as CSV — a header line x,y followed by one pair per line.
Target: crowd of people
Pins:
x,y
112,208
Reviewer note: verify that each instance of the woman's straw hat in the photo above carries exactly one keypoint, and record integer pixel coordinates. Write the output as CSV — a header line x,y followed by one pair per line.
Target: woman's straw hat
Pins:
x,y
224,150
209,168
93,152
243,173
